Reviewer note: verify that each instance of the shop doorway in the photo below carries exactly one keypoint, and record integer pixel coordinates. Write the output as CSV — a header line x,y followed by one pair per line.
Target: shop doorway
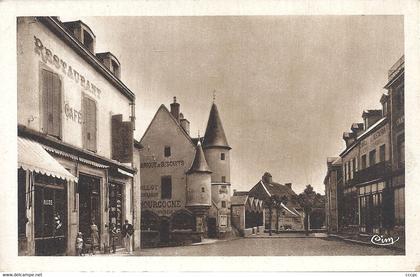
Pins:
x,y
115,211
164,231
50,216
211,227
89,205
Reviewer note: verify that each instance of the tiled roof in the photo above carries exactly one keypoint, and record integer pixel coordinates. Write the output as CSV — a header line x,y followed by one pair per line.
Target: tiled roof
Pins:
x,y
199,164
215,135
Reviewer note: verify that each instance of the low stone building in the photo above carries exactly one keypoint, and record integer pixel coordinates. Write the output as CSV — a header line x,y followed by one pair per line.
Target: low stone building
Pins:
x,y
248,213
286,216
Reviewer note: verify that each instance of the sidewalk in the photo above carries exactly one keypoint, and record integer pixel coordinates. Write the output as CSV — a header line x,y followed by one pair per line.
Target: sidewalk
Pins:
x,y
290,234
366,240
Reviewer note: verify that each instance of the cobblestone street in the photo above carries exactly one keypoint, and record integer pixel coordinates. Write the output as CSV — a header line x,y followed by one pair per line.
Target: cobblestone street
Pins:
x,y
272,247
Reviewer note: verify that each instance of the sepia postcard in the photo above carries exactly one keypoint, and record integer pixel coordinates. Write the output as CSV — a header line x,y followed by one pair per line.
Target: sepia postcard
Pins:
x,y
210,136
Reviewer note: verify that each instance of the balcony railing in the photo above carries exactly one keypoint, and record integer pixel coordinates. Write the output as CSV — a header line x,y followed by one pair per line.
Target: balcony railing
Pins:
x,y
376,171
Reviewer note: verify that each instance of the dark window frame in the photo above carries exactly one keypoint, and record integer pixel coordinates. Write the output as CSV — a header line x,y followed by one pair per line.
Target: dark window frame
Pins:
x,y
166,187
167,152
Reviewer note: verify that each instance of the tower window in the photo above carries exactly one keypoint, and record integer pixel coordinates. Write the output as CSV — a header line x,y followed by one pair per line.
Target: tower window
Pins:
x,y
223,179
166,187
202,189
167,151
222,156
223,204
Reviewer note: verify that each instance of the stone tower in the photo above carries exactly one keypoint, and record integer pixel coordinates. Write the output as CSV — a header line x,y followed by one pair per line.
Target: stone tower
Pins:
x,y
216,151
199,189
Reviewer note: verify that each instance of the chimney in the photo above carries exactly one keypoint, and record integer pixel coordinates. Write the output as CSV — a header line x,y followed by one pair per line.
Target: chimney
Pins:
x,y
175,109
370,117
267,178
289,185
185,124
349,138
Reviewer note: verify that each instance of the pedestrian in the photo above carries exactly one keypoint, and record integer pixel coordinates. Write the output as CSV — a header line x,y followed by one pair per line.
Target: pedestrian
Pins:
x,y
79,244
127,231
94,233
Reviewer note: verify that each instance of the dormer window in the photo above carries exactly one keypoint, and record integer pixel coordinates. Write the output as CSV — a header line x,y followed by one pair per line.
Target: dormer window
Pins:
x,y
83,33
111,62
88,41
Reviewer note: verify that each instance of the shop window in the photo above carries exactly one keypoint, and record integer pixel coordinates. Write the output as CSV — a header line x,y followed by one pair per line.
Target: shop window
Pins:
x,y
166,187
223,204
400,150
382,153
167,151
182,220
223,179
372,157
22,203
222,156
399,206
51,103
149,221
89,124
363,161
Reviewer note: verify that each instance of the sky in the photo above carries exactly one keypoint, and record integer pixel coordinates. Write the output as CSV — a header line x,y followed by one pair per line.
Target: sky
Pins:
x,y
287,87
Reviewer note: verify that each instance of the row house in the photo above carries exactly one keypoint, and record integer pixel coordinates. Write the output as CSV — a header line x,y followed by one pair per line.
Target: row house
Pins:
x,y
365,185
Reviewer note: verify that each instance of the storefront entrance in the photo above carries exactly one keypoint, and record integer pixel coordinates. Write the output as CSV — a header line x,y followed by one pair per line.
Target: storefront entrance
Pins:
x,y
50,216
89,205
211,227
115,210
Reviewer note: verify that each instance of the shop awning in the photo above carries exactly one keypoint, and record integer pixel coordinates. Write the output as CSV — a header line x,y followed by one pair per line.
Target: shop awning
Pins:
x,y
32,157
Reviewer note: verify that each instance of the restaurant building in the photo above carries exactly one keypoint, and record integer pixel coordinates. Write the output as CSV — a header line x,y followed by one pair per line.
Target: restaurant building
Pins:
x,y
185,180
75,139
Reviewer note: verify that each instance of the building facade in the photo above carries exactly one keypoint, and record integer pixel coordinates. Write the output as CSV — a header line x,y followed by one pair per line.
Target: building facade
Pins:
x,y
288,215
75,139
185,180
373,167
395,111
248,213
333,191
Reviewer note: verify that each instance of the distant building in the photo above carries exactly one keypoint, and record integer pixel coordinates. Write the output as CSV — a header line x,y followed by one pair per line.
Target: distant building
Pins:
x,y
75,139
333,191
372,199
289,215
247,213
185,180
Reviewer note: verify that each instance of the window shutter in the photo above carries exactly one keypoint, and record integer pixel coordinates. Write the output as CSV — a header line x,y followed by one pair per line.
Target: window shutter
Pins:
x,y
45,104
51,103
56,105
89,107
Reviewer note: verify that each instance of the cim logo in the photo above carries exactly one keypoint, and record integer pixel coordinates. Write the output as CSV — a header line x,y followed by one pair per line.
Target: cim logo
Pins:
x,y
381,240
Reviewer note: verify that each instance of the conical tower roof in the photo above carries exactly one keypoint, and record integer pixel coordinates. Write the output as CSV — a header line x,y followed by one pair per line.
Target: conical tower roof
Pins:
x,y
199,164
215,135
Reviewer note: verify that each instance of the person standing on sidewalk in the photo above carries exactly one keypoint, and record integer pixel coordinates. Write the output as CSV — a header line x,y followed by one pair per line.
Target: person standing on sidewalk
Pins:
x,y
127,231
